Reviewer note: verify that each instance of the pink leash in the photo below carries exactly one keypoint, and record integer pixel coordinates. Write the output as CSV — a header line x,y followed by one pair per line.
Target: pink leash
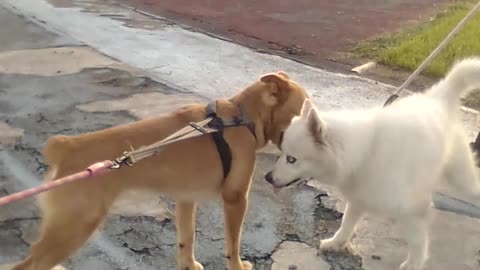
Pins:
x,y
128,158
96,169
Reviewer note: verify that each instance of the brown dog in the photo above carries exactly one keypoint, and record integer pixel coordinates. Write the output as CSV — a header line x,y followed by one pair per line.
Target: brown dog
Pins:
x,y
189,171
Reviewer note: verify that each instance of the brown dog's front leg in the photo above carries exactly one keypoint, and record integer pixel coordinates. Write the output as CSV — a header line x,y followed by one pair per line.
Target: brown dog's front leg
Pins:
x,y
235,206
185,222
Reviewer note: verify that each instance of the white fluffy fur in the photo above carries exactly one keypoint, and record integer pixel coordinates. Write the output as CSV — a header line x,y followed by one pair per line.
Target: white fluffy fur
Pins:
x,y
387,161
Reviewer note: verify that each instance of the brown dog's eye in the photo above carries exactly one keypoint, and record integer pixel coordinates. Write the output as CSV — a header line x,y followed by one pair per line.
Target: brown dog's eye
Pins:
x,y
291,159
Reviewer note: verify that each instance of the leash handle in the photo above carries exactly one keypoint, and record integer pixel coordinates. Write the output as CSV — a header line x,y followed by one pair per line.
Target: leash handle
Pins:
x,y
93,170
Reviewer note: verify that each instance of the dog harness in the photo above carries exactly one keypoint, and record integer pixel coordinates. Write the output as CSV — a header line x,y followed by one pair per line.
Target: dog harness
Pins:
x,y
220,124
213,124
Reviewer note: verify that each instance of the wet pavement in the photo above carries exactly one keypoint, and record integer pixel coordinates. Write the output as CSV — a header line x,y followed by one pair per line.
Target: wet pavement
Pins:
x,y
312,31
83,91
127,66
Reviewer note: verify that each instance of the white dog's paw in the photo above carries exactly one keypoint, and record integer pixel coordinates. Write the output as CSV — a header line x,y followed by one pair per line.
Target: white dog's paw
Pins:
x,y
331,244
407,265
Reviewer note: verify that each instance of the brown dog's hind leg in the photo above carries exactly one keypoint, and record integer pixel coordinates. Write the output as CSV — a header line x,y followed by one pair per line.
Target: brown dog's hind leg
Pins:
x,y
70,217
185,213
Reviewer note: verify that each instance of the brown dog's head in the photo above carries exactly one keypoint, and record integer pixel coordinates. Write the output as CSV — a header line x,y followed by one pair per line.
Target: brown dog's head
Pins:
x,y
272,102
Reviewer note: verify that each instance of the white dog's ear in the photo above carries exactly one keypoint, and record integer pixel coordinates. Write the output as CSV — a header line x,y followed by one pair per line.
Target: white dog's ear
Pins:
x,y
307,105
316,126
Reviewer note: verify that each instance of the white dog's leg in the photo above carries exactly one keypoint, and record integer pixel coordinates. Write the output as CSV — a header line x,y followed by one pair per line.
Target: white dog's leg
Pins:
x,y
461,171
416,234
338,242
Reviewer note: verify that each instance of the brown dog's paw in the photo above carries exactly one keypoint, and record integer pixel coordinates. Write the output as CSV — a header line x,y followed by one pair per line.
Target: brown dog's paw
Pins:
x,y
196,266
246,265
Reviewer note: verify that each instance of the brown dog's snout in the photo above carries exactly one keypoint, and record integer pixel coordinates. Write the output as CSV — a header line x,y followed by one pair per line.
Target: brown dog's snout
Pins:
x,y
269,177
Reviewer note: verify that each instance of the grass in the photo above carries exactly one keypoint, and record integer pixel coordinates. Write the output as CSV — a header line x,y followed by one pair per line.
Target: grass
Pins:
x,y
408,49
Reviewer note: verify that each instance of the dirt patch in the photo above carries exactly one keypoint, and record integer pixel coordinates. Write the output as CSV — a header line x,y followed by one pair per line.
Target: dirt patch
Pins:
x,y
9,135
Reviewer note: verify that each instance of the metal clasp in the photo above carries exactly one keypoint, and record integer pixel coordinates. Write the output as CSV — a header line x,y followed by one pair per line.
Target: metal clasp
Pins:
x,y
125,159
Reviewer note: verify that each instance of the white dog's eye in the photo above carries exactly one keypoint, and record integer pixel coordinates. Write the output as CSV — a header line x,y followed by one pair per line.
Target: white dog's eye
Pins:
x,y
291,159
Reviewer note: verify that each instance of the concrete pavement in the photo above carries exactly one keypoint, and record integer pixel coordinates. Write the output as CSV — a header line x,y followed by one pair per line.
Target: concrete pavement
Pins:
x,y
186,60
54,87
147,67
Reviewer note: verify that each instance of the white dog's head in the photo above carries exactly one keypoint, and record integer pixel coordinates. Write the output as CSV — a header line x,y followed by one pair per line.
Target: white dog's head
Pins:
x,y
305,152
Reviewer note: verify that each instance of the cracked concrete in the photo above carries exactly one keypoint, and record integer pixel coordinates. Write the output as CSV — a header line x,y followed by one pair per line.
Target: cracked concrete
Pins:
x,y
294,255
92,93
140,231
381,246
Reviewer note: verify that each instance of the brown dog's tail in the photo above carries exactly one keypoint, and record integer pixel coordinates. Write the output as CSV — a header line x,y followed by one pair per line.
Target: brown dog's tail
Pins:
x,y
55,149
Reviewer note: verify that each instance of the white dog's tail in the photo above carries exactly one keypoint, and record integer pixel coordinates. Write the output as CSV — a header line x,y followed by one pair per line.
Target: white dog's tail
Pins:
x,y
463,77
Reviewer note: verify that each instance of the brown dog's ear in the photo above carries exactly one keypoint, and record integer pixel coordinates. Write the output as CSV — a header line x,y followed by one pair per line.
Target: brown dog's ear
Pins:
x,y
278,92
307,105
276,78
315,126
283,73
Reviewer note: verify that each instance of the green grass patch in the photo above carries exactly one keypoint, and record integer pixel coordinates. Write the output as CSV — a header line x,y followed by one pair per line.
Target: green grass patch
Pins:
x,y
407,50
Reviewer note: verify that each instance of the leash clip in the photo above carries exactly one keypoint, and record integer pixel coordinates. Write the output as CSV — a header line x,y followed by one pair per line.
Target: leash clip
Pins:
x,y
125,159
390,100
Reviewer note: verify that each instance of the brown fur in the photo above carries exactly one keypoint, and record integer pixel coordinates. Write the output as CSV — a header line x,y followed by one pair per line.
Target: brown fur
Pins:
x,y
189,171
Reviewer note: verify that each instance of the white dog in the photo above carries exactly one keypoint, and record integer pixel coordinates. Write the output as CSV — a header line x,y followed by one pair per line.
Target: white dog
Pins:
x,y
386,161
